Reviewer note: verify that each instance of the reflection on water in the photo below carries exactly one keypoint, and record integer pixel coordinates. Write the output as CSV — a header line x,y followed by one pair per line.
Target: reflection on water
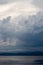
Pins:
x,y
21,60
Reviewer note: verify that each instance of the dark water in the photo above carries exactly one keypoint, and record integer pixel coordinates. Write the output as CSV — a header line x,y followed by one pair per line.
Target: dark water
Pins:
x,y
21,60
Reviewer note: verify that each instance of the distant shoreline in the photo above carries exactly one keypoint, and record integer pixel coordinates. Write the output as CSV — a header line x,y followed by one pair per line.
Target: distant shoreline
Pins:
x,y
37,53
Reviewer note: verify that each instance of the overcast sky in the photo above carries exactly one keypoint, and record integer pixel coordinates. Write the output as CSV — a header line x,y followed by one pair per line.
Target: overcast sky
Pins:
x,y
21,24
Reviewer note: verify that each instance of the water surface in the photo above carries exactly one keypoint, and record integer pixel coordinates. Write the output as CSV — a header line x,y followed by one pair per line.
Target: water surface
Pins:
x,y
21,60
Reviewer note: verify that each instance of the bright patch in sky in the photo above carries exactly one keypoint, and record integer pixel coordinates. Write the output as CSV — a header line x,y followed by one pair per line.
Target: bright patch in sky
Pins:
x,y
17,8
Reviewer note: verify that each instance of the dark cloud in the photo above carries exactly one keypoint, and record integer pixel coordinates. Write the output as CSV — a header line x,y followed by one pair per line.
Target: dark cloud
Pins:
x,y
26,32
32,32
6,33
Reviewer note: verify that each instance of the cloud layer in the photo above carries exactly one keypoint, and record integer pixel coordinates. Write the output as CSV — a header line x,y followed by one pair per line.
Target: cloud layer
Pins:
x,y
24,32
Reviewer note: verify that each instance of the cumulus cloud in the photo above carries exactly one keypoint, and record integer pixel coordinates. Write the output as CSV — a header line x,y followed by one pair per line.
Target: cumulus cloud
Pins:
x,y
24,32
6,32
30,32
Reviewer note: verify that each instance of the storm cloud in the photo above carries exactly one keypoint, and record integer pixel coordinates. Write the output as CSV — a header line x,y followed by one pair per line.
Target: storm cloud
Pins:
x,y
24,32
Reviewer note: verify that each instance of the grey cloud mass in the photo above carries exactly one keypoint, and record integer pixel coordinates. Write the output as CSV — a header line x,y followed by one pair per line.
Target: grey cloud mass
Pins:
x,y
6,1
38,3
10,1
24,32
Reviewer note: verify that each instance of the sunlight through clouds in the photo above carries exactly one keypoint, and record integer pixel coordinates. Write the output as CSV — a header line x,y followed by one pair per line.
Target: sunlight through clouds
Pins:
x,y
17,8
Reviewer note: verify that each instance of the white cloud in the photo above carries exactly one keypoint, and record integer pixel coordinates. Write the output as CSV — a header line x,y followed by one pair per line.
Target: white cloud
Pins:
x,y
17,8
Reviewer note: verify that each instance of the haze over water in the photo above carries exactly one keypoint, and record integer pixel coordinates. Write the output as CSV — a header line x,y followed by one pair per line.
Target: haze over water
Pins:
x,y
21,60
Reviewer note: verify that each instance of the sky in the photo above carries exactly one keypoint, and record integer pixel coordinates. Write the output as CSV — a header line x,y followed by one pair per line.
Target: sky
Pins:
x,y
21,25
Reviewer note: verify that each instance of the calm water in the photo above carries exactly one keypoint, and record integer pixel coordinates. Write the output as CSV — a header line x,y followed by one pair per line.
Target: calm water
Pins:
x,y
21,60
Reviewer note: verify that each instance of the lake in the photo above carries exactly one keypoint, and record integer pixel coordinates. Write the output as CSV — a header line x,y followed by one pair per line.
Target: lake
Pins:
x,y
21,60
